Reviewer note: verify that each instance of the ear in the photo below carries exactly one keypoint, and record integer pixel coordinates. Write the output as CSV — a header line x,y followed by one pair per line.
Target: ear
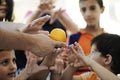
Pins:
x,y
102,9
108,59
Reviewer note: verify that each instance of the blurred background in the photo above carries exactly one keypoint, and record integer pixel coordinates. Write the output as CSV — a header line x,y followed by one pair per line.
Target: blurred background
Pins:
x,y
110,19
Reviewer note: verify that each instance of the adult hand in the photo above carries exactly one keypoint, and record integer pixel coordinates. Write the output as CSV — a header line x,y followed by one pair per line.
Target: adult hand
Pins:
x,y
43,45
36,25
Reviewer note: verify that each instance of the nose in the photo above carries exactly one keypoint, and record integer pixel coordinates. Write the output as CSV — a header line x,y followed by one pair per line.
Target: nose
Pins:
x,y
88,13
13,66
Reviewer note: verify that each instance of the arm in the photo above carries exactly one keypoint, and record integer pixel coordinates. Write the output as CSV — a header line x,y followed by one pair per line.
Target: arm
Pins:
x,y
43,7
65,20
57,69
68,73
10,26
40,45
31,68
101,71
48,61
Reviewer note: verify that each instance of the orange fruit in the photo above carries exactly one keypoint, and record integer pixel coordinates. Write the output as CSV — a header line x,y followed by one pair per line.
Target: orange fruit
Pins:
x,y
58,34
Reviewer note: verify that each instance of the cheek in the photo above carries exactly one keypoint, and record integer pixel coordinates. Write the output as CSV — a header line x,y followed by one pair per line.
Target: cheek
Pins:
x,y
3,73
99,60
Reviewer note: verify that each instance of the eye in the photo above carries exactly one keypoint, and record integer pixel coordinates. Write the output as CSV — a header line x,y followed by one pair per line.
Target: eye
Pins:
x,y
92,8
5,62
14,60
83,9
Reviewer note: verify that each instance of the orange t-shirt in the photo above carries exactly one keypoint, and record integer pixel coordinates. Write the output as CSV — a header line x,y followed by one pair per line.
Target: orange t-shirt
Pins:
x,y
86,76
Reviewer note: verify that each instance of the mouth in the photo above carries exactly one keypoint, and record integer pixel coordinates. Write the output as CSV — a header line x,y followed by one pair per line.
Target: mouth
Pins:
x,y
3,8
90,20
12,74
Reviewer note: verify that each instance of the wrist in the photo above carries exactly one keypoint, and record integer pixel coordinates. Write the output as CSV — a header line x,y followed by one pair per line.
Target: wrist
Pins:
x,y
72,68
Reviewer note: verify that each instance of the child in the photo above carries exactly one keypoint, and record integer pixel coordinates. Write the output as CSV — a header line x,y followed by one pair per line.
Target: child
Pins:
x,y
7,65
90,10
104,59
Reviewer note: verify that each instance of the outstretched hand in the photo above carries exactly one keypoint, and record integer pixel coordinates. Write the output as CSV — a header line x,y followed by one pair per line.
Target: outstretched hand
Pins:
x,y
32,66
36,25
81,60
55,15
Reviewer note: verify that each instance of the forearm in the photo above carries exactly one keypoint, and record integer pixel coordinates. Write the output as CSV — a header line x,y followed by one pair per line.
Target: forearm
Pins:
x,y
102,72
11,40
41,75
68,73
22,76
10,26
33,16
68,23
55,76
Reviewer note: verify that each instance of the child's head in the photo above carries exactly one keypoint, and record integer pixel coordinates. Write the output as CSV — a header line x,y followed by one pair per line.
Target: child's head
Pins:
x,y
91,10
107,51
7,65
6,10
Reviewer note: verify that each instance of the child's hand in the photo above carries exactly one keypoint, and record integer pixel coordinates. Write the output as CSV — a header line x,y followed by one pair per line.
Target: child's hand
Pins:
x,y
32,66
49,60
46,6
55,15
82,60
58,66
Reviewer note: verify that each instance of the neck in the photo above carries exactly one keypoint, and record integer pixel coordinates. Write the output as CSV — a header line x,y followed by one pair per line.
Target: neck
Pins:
x,y
95,30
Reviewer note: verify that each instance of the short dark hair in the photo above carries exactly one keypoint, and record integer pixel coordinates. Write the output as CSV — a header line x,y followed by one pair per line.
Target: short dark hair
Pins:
x,y
107,43
100,2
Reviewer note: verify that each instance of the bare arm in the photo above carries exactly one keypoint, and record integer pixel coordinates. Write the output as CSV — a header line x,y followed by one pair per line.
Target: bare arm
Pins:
x,y
68,73
102,72
43,7
65,20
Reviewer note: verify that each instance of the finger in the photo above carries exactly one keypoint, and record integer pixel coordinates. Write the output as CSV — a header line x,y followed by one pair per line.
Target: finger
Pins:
x,y
59,44
72,48
52,19
80,50
40,20
44,32
52,68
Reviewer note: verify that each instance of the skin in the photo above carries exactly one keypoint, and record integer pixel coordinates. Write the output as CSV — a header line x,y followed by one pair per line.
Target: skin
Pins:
x,y
91,11
3,8
99,64
7,65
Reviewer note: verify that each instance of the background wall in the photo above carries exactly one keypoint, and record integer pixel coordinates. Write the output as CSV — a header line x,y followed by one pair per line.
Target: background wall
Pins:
x,y
110,19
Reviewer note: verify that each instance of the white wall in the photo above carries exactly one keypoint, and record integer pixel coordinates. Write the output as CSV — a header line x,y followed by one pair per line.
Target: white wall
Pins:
x,y
109,22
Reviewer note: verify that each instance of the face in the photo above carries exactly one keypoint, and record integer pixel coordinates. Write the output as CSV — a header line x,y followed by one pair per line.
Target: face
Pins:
x,y
7,65
91,10
3,8
96,55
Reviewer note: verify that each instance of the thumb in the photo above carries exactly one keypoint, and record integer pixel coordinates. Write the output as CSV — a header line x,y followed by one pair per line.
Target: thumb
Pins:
x,y
59,44
52,20
52,68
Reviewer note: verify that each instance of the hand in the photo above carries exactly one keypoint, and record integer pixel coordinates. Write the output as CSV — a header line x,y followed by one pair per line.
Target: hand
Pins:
x,y
56,14
58,66
32,66
46,6
82,60
49,60
36,25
